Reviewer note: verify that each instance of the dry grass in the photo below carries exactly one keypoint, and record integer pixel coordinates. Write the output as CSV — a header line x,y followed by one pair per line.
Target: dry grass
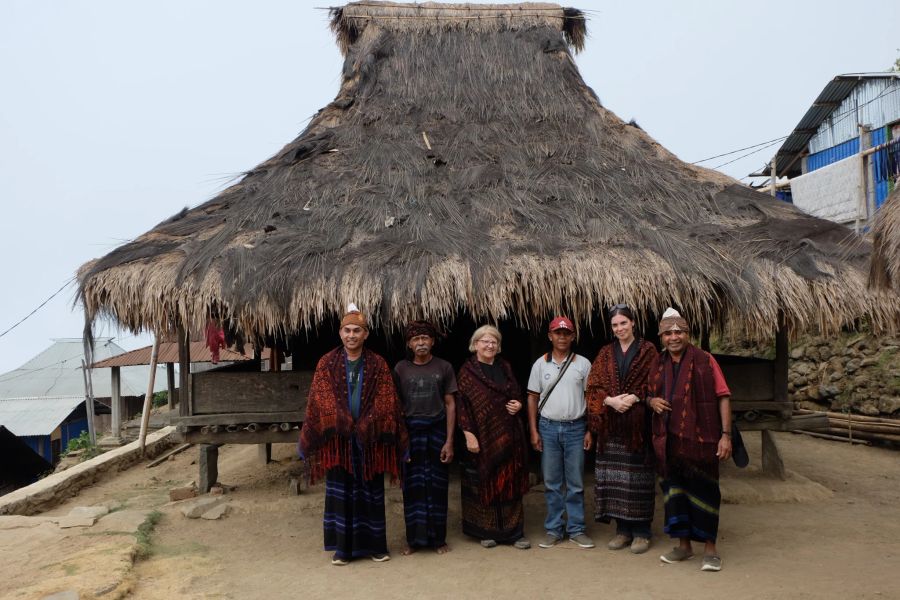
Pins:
x,y
885,272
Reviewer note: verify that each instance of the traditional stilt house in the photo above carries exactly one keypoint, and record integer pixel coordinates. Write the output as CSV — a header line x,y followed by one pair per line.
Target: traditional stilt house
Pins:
x,y
466,173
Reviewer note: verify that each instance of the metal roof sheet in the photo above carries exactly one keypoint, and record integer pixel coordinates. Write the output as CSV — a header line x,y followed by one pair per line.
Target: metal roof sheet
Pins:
x,y
36,416
825,103
168,353
56,372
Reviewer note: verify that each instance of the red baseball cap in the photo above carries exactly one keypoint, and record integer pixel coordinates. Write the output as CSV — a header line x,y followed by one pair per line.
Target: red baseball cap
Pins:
x,y
561,323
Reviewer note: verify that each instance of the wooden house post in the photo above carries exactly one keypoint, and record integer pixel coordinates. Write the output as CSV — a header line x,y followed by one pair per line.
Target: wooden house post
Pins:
x,y
772,464
184,375
170,384
116,401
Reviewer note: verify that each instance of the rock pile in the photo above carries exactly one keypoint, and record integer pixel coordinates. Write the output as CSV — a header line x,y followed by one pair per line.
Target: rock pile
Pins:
x,y
859,372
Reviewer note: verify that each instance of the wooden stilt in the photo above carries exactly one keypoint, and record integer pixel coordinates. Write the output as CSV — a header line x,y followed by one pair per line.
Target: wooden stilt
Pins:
x,y
209,466
264,451
772,465
184,375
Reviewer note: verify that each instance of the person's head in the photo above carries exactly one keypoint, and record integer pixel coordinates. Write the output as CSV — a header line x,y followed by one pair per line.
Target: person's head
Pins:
x,y
354,329
621,319
420,338
562,334
673,332
485,343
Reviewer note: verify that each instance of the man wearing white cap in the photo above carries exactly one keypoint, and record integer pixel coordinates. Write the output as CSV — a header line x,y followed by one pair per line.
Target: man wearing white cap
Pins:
x,y
691,408
556,416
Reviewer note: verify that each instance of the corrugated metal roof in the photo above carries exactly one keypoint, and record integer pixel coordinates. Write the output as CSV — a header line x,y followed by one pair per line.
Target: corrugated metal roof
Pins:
x,y
168,353
56,372
36,415
830,98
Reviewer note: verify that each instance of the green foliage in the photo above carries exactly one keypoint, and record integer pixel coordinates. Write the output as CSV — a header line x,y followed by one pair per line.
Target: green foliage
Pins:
x,y
160,399
83,442
143,535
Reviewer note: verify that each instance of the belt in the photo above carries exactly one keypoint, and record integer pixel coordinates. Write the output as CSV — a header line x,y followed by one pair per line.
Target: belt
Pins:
x,y
581,418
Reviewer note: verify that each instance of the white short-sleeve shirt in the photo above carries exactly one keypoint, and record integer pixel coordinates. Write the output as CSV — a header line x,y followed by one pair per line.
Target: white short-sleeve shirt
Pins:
x,y
566,402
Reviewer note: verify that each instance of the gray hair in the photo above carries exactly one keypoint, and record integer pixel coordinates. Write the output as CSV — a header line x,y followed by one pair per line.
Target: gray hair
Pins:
x,y
483,331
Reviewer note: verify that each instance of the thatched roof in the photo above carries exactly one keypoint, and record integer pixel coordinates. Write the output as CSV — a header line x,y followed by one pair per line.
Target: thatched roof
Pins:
x,y
466,166
885,272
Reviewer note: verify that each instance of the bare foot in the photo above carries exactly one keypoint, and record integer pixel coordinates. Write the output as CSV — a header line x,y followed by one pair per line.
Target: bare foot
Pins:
x,y
443,549
407,550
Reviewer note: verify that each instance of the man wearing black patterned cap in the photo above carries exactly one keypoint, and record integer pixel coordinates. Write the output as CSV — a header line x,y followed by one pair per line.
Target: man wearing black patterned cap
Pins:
x,y
427,386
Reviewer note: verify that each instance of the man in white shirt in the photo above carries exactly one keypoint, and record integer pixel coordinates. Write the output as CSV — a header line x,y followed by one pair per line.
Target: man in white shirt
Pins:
x,y
556,416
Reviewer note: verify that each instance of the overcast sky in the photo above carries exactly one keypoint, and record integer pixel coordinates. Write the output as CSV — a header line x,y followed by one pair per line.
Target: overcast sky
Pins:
x,y
115,115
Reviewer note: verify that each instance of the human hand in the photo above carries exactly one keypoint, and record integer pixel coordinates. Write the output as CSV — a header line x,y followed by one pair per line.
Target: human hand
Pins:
x,y
513,406
588,440
723,452
658,405
447,452
471,442
619,403
536,441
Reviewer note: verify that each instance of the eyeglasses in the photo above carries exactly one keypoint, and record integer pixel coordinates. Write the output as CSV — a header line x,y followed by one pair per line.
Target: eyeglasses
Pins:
x,y
485,342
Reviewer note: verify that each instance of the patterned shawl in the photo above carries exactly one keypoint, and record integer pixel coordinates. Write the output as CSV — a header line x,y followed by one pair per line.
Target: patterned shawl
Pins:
x,y
502,461
690,433
326,435
632,426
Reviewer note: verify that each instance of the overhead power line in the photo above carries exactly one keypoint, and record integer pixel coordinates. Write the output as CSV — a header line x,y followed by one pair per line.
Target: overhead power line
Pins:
x,y
39,307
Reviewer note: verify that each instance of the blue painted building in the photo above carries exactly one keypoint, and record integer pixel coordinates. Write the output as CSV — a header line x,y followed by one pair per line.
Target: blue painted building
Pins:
x,y
830,132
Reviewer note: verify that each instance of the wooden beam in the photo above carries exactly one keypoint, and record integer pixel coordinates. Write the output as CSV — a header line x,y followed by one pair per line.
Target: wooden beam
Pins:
x,y
165,457
263,436
239,418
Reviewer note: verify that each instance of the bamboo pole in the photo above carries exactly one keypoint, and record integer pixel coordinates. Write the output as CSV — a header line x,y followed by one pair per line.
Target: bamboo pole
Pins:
x,y
148,399
89,400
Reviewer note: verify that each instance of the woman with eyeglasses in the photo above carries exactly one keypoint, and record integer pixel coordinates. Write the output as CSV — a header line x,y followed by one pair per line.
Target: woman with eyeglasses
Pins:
x,y
619,419
495,468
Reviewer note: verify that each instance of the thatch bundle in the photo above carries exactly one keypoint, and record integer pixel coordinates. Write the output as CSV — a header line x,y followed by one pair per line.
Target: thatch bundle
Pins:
x,y
465,166
885,272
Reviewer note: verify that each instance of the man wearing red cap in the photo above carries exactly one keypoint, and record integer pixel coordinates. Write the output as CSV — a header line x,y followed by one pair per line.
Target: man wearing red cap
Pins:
x,y
556,416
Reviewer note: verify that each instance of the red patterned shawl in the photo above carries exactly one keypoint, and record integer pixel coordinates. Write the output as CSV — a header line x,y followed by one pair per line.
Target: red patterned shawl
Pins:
x,y
325,437
502,460
629,427
690,432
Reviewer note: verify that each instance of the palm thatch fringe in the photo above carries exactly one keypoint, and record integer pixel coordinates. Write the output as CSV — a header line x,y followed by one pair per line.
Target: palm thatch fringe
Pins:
x,y
885,271
466,167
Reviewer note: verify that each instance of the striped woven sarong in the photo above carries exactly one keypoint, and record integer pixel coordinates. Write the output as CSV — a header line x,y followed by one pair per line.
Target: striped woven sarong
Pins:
x,y
354,511
692,504
425,483
625,485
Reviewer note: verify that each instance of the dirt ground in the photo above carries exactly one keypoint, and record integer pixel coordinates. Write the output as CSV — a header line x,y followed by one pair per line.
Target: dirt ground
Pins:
x,y
831,531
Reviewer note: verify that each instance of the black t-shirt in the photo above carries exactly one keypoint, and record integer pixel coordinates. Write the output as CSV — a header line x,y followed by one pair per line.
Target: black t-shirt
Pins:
x,y
423,387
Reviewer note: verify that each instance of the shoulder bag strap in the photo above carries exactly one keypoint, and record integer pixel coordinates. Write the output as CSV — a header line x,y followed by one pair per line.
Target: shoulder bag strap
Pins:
x,y
553,385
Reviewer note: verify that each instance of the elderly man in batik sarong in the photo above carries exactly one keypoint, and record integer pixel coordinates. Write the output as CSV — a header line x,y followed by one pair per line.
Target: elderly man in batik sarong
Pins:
x,y
353,434
427,386
691,434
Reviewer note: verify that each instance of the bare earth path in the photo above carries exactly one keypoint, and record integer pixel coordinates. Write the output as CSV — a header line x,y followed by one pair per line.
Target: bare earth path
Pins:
x,y
831,531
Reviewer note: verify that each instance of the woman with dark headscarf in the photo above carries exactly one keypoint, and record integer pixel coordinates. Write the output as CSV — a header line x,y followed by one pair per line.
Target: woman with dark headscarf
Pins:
x,y
495,468
618,418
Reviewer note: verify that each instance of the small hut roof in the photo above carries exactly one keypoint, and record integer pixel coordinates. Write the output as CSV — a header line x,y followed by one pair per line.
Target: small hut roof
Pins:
x,y
885,272
466,166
